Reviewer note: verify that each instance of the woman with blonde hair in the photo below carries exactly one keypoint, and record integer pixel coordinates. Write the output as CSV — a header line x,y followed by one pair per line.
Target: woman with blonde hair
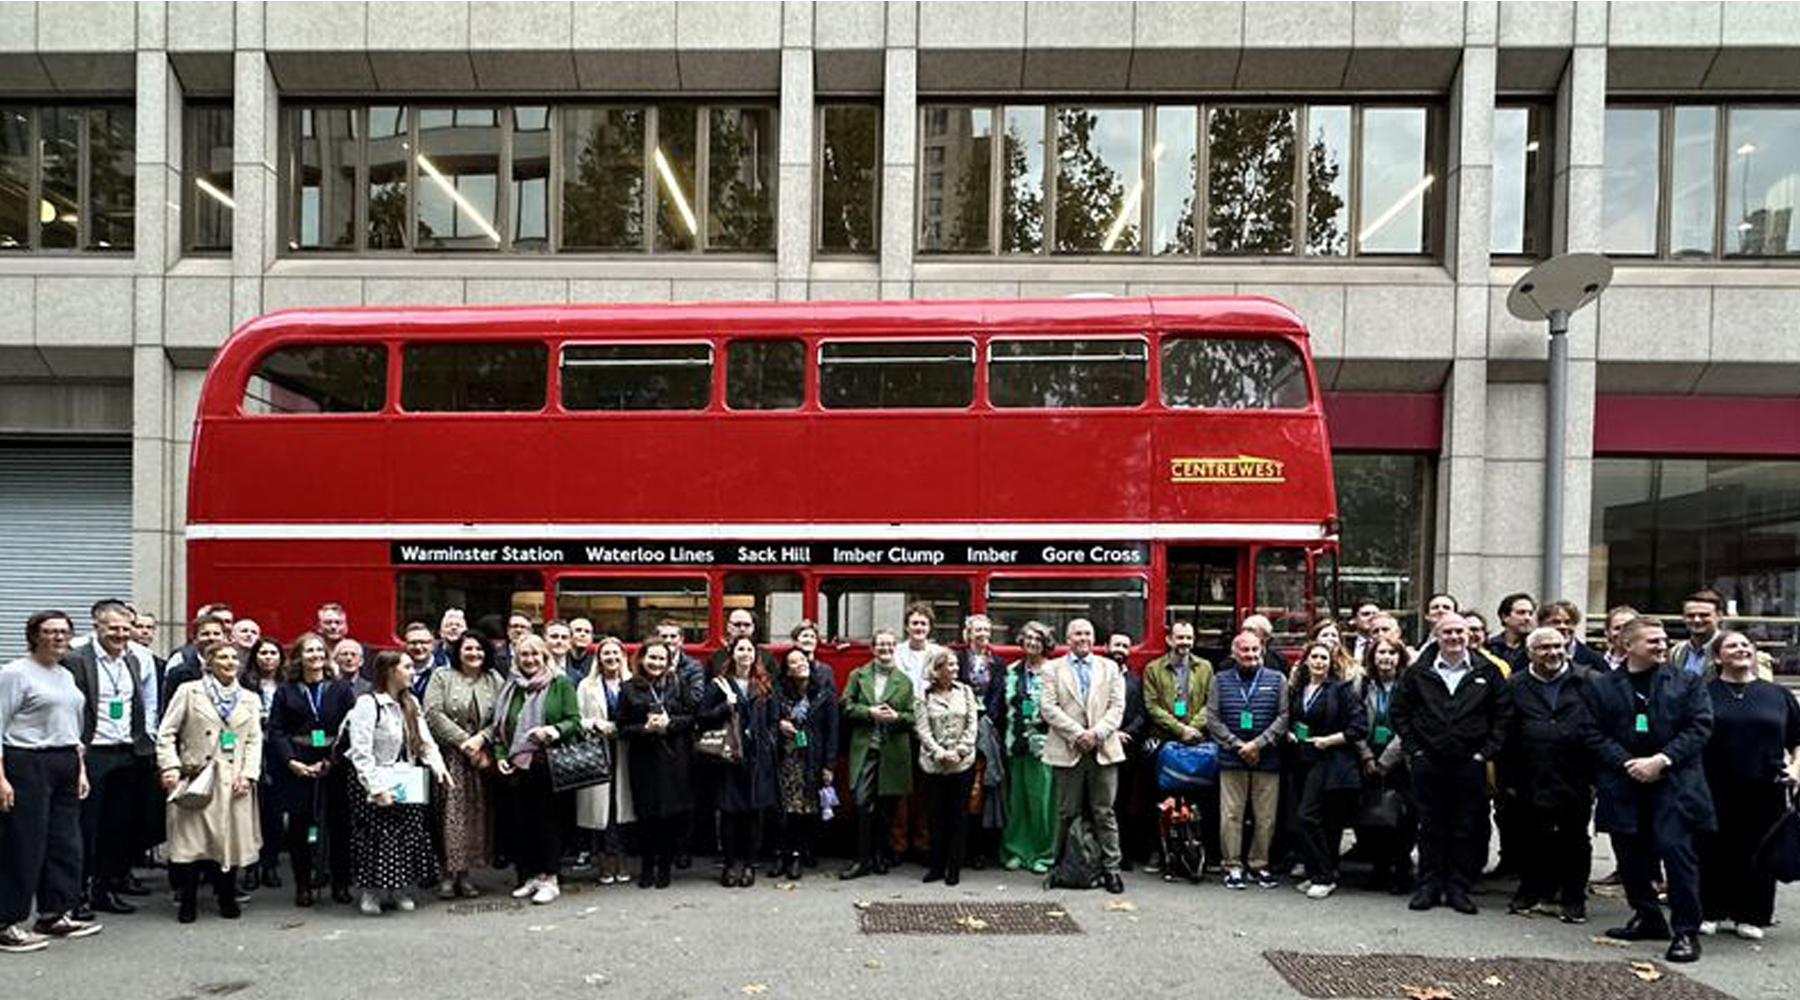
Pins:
x,y
210,726
604,809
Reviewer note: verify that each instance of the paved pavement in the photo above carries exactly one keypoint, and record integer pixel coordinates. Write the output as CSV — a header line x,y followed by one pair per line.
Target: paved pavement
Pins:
x,y
698,940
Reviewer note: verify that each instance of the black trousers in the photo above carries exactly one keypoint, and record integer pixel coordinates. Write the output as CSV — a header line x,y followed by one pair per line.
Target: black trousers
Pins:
x,y
40,839
1319,823
534,816
316,836
1730,886
1661,835
110,814
660,837
799,832
946,798
1554,854
741,833
872,821
1452,801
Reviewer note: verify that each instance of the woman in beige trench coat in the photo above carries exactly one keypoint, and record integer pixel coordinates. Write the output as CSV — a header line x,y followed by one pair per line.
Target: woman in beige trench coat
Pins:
x,y
603,810
210,723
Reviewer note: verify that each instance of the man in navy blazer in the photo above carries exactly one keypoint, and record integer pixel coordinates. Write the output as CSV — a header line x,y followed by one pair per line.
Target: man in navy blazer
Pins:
x,y
1647,726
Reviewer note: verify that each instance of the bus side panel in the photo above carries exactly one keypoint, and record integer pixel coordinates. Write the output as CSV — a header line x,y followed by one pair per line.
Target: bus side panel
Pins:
x,y
630,467
1259,468
469,467
282,582
1086,468
266,469
763,468
895,467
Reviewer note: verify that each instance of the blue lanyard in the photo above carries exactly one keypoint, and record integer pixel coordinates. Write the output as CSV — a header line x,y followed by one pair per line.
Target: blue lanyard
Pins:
x,y
1306,700
315,696
1381,703
1249,693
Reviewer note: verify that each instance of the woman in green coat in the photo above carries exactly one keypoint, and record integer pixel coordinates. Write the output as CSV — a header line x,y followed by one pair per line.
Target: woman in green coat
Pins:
x,y
878,707
1029,838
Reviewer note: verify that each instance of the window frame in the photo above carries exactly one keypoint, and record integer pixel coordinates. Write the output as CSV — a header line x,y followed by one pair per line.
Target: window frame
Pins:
x,y
388,376
190,192
84,233
818,192
1539,219
1433,200
987,359
559,360
977,374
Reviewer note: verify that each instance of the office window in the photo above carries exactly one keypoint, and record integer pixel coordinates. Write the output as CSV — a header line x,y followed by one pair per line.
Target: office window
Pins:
x,y
207,173
529,209
68,177
1520,223
850,178
1328,180
741,179
603,178
957,171
1395,174
459,172
1100,179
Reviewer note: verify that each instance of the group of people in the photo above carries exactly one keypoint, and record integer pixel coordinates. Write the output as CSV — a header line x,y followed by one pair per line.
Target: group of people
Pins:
x,y
380,773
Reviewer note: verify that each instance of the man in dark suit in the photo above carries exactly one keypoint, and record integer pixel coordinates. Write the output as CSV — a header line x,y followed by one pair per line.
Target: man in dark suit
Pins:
x,y
1547,775
116,680
1648,725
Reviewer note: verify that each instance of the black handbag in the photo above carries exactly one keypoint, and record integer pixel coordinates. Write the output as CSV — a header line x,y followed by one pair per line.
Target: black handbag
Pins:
x,y
1779,853
1382,809
580,764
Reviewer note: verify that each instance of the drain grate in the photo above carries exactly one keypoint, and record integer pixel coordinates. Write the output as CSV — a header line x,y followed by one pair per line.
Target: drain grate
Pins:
x,y
485,906
1479,978
965,918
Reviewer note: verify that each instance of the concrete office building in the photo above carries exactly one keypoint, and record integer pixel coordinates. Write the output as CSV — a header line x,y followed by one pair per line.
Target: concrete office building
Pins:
x,y
170,170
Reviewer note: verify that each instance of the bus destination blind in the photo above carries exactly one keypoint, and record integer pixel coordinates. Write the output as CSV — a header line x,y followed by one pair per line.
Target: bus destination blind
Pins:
x,y
753,553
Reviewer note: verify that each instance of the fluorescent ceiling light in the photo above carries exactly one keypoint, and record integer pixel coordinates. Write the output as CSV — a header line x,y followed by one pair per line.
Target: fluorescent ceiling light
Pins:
x,y
1746,149
480,220
1132,201
216,194
1532,146
1388,214
667,173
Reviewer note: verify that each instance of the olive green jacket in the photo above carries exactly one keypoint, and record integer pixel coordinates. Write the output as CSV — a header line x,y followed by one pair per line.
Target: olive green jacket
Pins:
x,y
896,753
1160,692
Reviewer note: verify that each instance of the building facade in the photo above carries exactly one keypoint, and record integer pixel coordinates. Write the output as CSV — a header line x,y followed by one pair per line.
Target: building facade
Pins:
x,y
171,170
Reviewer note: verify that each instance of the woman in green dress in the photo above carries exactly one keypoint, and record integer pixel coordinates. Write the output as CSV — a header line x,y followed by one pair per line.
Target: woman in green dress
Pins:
x,y
1029,838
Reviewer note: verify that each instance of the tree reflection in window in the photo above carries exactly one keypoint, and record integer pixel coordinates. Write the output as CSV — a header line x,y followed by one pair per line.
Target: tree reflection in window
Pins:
x,y
1059,373
1022,193
1232,374
1328,181
849,169
603,161
477,377
636,376
1250,185
388,142
1177,165
1099,190
741,179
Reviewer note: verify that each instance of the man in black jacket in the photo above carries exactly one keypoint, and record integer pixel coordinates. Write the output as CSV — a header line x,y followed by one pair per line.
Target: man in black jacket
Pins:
x,y
115,677
1450,713
1648,725
1547,774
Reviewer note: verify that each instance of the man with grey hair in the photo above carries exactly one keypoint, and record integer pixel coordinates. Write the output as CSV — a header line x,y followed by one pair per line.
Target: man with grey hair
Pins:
x,y
1084,706
1451,712
1546,774
1265,630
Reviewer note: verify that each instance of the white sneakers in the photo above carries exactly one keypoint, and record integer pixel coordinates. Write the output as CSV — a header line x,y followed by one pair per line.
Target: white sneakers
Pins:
x,y
18,941
404,902
369,905
1750,932
547,892
1319,890
530,888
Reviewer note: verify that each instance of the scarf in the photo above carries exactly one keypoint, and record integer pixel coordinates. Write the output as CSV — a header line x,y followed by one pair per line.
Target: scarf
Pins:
x,y
519,748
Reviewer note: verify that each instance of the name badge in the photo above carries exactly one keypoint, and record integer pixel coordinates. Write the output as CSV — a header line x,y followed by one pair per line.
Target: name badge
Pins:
x,y
318,737
1643,723
1302,731
1383,734
115,709
1181,708
800,740
312,834
1246,720
227,740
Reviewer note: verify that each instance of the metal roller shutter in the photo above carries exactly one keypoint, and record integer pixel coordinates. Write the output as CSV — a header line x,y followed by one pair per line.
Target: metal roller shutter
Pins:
x,y
65,531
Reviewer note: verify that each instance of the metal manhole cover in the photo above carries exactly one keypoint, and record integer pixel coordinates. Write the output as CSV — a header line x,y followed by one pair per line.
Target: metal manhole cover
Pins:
x,y
1402,976
965,918
486,906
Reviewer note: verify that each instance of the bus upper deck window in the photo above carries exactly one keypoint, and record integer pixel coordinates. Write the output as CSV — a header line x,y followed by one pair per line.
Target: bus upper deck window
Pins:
x,y
636,376
765,374
1059,373
473,377
883,375
1233,373
319,378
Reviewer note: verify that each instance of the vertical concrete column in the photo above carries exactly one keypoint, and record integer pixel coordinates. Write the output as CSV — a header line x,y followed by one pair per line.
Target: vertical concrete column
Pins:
x,y
899,150
794,225
1580,177
256,130
158,238
1462,469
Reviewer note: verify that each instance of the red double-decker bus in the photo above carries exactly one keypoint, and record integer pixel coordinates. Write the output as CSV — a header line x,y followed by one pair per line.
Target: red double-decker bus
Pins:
x,y
1126,460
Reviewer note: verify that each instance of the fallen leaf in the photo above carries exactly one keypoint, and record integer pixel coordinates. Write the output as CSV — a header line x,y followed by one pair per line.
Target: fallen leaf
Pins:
x,y
1121,905
754,989
973,923
334,935
1609,891
1646,971
787,886
861,904
1608,942
1492,981
541,928
595,979
288,925
590,909
873,963
1057,914
1427,992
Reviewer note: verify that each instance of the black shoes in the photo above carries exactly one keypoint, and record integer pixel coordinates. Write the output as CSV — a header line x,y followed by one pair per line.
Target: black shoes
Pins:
x,y
1639,928
1461,903
1114,884
340,894
1684,948
1576,914
271,877
952,877
1424,899
646,876
933,875
131,885
663,876
1521,905
856,871
303,897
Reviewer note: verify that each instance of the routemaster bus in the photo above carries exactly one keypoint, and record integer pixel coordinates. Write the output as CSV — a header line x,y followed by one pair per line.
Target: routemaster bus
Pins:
x,y
1128,460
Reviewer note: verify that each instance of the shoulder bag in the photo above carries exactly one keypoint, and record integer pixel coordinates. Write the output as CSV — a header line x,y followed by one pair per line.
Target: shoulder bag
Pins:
x,y
195,792
726,743
582,763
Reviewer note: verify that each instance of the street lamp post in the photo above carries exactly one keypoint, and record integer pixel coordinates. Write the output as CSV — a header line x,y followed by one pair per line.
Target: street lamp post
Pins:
x,y
1552,292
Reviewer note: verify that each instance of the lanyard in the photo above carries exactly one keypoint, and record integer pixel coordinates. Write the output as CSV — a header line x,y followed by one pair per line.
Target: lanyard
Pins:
x,y
117,680
315,696
1381,702
1306,700
1248,692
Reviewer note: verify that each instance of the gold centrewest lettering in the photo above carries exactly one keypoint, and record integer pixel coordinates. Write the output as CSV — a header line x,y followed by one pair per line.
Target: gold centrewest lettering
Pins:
x,y
1227,469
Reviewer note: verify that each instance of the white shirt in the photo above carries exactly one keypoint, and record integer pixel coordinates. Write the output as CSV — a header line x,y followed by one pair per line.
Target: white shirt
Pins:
x,y
1452,673
912,661
116,684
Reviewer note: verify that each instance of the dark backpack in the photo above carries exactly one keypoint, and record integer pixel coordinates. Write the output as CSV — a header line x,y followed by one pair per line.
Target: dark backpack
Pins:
x,y
1078,866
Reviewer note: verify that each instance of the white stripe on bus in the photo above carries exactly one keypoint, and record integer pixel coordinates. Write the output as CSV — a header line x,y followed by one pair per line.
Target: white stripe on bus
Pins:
x,y
873,531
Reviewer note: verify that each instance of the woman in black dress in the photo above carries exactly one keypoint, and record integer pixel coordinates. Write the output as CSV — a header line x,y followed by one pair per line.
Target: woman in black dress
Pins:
x,y
1749,759
304,719
655,718
740,690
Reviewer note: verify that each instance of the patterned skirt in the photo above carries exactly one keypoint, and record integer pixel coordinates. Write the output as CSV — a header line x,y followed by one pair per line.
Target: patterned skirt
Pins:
x,y
466,815
390,846
796,800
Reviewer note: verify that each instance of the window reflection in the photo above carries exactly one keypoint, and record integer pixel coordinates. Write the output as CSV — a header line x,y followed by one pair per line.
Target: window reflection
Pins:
x,y
1763,180
896,374
1394,179
1630,205
1385,502
208,168
1060,373
459,169
850,172
1022,183
1221,373
112,178
1177,163
1693,193
1250,182
1516,225
390,148
956,174
603,178
741,179
468,377
1099,180
636,376
677,163
531,154
326,179
1328,180
15,178
59,165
